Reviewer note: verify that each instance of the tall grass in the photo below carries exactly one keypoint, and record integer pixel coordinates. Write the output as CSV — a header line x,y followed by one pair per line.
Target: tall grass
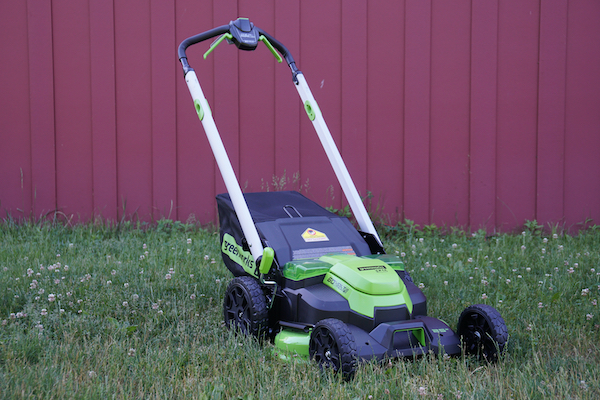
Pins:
x,y
98,312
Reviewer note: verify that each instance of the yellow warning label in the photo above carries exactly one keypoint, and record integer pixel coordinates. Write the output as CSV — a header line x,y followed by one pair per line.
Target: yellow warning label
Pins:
x,y
312,235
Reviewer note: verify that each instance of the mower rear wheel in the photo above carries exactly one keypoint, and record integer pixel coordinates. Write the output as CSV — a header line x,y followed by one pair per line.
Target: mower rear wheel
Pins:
x,y
332,345
483,332
245,307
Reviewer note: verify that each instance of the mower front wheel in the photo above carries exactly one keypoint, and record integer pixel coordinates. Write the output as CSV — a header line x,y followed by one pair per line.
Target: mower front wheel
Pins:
x,y
332,345
483,332
245,307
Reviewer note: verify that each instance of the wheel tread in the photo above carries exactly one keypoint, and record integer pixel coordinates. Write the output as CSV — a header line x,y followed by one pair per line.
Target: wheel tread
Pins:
x,y
259,311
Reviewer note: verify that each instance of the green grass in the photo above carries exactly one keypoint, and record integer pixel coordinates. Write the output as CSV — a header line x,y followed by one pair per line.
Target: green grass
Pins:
x,y
102,312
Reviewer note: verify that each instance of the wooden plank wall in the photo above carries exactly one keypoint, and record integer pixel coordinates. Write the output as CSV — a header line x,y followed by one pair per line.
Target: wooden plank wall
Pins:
x,y
463,113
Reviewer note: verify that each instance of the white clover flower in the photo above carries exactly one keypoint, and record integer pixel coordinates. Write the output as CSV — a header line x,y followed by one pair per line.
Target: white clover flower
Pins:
x,y
421,285
51,297
589,316
131,352
449,255
446,283
470,260
192,296
135,297
189,241
44,312
545,240
144,246
126,285
540,305
454,245
484,296
555,236
168,276
125,304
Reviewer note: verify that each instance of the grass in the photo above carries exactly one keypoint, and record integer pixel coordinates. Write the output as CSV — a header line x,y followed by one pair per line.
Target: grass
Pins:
x,y
98,312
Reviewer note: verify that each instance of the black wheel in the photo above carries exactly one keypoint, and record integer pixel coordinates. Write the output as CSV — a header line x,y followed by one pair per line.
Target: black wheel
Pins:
x,y
332,345
483,332
245,306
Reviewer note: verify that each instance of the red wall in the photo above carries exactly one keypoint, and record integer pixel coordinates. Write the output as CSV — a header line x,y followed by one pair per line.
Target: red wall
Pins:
x,y
468,113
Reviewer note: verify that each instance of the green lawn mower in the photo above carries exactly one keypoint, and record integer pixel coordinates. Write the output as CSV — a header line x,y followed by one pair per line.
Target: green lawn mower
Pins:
x,y
306,277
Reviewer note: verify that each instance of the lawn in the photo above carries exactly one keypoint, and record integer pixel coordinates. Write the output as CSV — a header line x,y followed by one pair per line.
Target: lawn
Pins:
x,y
136,312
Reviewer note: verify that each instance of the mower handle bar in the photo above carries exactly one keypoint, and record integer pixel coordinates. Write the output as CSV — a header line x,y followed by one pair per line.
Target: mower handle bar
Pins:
x,y
225,29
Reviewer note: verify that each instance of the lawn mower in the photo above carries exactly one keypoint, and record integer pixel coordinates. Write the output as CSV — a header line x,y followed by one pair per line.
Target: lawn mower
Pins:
x,y
306,277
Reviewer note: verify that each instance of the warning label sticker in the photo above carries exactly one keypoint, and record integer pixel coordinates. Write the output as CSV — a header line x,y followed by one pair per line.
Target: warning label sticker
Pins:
x,y
312,235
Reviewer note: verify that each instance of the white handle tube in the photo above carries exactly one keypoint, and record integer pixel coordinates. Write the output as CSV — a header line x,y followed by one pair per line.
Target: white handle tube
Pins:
x,y
341,172
218,149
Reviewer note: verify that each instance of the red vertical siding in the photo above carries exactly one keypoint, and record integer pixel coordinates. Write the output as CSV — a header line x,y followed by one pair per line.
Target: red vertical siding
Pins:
x,y
449,151
226,82
582,116
72,102
518,44
41,96
417,111
256,101
287,105
196,174
320,51
470,113
16,191
483,117
353,142
551,111
163,83
385,105
103,109
134,108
